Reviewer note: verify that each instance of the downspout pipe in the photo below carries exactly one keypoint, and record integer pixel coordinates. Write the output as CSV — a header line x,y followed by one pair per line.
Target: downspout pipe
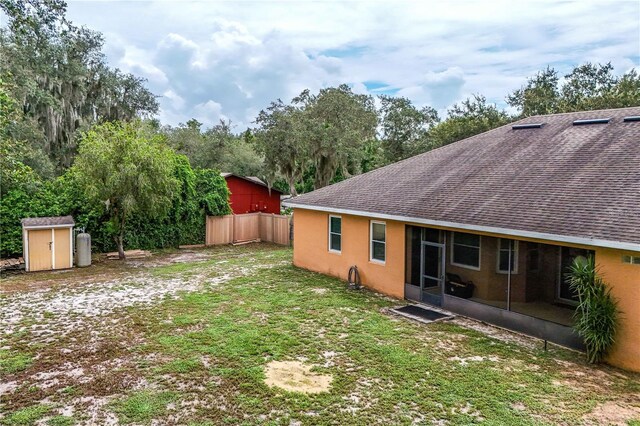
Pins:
x,y
509,276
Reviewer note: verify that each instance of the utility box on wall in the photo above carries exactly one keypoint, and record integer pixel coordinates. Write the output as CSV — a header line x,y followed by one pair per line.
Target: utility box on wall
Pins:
x,y
47,243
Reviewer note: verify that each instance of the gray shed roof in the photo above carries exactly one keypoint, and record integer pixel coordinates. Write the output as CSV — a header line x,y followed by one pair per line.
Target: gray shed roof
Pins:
x,y
256,179
59,221
578,182
252,179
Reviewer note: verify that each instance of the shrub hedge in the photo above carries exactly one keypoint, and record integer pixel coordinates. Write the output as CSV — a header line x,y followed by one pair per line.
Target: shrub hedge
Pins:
x,y
203,192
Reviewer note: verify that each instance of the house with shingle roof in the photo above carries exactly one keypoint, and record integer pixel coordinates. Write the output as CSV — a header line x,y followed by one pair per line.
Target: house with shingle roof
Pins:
x,y
486,227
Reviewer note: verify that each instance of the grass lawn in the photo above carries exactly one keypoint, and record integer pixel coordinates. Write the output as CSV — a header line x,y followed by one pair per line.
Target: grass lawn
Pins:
x,y
186,338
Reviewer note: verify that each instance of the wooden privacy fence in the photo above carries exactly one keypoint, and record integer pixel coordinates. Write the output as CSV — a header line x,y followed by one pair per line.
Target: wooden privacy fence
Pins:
x,y
240,228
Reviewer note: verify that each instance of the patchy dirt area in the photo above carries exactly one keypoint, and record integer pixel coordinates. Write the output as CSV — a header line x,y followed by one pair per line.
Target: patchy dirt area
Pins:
x,y
294,376
230,335
50,314
613,413
85,324
55,308
498,333
183,256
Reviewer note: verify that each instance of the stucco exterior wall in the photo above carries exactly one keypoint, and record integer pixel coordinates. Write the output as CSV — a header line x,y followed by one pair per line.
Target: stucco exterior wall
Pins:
x,y
311,250
624,280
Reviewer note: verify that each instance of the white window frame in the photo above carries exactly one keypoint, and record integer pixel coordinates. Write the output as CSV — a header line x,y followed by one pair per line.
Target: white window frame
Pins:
x,y
515,256
371,241
462,265
530,249
630,259
334,233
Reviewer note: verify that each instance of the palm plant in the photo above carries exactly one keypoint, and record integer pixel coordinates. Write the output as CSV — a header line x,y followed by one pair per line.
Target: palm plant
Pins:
x,y
597,313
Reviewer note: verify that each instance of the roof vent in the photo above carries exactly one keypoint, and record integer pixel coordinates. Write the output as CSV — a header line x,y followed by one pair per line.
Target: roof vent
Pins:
x,y
527,126
591,121
631,118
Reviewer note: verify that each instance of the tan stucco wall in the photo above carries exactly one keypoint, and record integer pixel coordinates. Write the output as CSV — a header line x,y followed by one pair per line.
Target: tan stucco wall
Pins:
x,y
624,280
311,250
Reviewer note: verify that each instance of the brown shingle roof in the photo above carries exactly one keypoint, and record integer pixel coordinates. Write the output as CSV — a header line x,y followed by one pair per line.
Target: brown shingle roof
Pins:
x,y
48,221
562,179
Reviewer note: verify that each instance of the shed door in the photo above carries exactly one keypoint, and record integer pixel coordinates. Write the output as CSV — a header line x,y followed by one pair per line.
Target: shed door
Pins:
x,y
40,246
62,247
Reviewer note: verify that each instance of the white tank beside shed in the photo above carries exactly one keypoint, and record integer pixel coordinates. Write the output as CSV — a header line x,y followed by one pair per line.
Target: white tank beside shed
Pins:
x,y
83,249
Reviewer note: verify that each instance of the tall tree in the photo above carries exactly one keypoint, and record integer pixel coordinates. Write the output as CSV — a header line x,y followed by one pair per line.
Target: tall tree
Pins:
x,y
230,152
626,92
279,139
16,172
540,95
130,170
336,123
59,76
187,139
587,87
404,128
471,117
215,148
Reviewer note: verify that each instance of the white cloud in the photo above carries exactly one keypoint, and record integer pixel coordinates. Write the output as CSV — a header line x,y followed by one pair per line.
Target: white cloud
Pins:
x,y
230,59
209,112
177,102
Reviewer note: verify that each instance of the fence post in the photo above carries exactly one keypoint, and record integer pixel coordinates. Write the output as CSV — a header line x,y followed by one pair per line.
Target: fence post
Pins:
x,y
233,228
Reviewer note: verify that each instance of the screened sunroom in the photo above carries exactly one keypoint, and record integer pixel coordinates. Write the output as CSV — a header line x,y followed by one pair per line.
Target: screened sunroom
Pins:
x,y
512,283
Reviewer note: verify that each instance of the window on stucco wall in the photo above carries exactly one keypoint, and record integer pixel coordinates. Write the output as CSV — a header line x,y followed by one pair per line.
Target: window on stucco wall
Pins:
x,y
378,247
335,234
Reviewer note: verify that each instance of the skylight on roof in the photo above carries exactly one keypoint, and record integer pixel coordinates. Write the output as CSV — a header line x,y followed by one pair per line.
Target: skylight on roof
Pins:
x,y
631,118
591,121
527,126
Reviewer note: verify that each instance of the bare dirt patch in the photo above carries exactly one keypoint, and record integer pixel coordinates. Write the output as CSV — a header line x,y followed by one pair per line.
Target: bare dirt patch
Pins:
x,y
183,256
294,376
612,413
53,313
477,358
582,377
498,333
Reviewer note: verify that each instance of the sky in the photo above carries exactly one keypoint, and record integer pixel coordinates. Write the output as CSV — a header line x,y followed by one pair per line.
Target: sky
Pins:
x,y
213,60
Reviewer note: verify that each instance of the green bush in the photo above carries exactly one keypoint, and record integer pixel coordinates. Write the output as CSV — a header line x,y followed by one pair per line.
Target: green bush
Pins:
x,y
597,313
18,204
203,191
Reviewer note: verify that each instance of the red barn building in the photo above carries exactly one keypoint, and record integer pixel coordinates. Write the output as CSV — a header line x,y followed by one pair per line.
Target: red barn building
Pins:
x,y
250,194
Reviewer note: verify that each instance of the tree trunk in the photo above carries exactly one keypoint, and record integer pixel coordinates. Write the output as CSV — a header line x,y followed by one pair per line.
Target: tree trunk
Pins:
x,y
292,188
120,239
120,243
325,171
